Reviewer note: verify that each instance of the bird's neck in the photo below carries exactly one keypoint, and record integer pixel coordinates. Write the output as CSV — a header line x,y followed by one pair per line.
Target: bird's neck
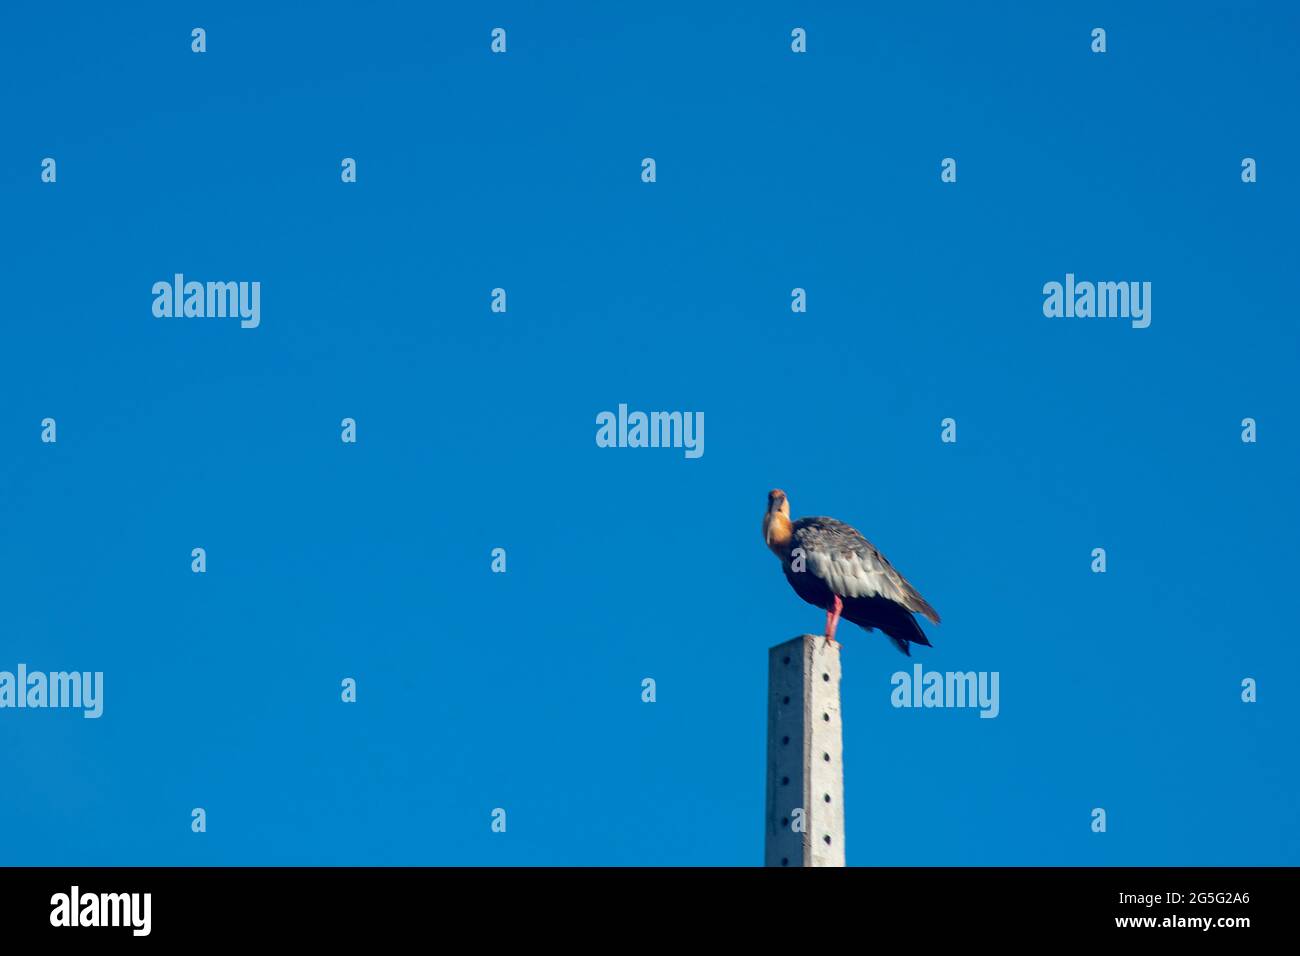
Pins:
x,y
776,532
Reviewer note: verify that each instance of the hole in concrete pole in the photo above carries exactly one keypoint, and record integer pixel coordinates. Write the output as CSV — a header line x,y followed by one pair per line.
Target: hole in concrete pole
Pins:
x,y
785,861
785,821
826,716
785,740
826,677
785,700
785,781
786,662
827,838
828,798
826,757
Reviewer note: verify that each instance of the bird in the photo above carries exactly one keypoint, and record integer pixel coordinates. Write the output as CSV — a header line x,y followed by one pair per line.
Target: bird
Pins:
x,y
832,566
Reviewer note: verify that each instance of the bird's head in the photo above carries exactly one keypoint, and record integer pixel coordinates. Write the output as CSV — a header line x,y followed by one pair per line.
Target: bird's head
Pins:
x,y
776,522
777,501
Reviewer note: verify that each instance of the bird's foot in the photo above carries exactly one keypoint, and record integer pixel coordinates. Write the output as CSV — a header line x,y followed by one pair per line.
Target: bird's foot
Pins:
x,y
832,643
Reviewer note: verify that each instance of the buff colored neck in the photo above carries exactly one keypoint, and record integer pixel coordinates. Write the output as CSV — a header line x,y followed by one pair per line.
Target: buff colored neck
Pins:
x,y
776,532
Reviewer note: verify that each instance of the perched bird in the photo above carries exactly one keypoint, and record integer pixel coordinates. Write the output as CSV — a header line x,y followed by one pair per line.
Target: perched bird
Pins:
x,y
830,565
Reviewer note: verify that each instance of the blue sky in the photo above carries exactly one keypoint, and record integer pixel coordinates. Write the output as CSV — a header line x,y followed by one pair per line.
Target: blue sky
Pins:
x,y
476,430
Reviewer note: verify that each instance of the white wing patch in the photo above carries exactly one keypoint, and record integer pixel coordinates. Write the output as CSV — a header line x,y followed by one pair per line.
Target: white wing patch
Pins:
x,y
850,574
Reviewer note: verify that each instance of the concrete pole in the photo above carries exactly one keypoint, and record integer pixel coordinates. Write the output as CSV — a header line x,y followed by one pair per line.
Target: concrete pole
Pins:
x,y
805,767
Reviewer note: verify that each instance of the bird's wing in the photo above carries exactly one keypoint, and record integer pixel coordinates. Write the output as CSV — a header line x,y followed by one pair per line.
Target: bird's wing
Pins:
x,y
851,565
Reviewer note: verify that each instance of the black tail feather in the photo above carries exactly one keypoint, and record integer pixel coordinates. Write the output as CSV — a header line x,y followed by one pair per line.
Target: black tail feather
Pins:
x,y
896,621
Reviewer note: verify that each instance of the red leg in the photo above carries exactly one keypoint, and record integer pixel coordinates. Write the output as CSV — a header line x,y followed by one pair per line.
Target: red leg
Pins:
x,y
833,619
